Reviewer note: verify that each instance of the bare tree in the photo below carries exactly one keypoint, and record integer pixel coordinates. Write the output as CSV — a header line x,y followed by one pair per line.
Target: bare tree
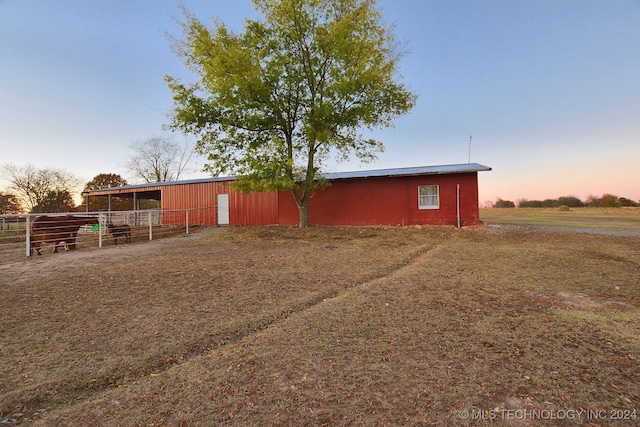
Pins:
x,y
36,188
159,159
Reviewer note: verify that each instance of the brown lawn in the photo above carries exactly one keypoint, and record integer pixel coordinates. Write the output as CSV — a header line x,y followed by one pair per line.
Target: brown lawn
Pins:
x,y
326,326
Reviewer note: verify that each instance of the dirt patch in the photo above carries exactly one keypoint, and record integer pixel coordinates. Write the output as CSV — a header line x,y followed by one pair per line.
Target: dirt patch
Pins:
x,y
566,299
582,301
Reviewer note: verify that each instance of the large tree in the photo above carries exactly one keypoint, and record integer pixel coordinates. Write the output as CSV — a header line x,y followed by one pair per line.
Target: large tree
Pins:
x,y
158,159
56,200
106,180
42,189
272,104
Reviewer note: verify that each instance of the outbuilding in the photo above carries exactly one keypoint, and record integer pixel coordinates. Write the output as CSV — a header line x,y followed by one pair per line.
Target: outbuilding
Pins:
x,y
425,195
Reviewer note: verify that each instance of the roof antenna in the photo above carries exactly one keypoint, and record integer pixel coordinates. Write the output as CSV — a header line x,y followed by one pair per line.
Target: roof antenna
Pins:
x,y
470,136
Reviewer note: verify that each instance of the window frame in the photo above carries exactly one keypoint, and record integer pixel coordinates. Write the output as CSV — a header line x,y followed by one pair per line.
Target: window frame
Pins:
x,y
432,206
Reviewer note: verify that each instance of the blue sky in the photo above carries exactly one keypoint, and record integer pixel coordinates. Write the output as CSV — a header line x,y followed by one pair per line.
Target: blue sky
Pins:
x,y
548,89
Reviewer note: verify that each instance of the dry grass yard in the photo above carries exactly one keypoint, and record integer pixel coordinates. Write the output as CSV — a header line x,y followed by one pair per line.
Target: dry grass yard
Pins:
x,y
267,326
621,221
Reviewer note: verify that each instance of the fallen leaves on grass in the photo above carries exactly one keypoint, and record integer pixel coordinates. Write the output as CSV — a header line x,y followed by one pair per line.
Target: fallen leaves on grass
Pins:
x,y
279,326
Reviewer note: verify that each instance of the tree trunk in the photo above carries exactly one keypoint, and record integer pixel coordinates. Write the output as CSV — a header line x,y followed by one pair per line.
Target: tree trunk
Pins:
x,y
304,215
302,201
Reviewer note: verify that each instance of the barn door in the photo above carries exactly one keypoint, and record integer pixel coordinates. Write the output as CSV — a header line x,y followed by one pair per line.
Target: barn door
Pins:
x,y
223,209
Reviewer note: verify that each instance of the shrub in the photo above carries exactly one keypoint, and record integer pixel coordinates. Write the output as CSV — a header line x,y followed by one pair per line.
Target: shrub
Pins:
x,y
504,204
627,202
609,201
593,201
570,201
524,203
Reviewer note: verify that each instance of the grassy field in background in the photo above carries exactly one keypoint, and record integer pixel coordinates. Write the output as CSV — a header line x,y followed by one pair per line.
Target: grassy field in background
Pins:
x,y
615,219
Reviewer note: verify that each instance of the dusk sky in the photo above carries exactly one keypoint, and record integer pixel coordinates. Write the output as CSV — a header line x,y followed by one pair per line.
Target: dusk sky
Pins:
x,y
548,89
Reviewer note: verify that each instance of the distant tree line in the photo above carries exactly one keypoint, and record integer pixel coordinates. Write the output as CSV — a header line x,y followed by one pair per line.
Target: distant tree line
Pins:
x,y
570,201
605,201
31,192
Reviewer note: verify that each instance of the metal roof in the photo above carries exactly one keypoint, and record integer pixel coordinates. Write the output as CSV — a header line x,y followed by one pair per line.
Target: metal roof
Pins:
x,y
376,173
419,170
161,184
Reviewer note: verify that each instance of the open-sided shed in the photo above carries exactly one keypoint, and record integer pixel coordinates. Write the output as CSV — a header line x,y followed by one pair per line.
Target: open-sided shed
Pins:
x,y
437,195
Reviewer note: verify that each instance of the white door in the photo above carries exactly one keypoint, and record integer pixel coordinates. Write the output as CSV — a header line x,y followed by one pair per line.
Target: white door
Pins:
x,y
223,209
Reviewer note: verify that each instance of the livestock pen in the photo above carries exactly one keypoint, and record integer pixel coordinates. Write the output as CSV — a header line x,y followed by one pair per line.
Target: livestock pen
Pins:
x,y
16,234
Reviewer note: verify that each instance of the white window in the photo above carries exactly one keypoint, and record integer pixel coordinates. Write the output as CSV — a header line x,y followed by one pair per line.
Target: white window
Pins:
x,y
428,197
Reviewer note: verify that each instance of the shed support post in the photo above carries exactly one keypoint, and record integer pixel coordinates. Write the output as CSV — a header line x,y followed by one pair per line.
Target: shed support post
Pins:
x,y
149,219
186,215
102,221
28,235
136,220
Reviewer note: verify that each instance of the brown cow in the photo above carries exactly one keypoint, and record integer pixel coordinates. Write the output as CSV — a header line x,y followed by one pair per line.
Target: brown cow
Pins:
x,y
57,229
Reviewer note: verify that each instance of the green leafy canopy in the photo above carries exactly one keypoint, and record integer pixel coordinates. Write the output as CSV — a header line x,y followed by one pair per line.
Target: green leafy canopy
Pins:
x,y
273,103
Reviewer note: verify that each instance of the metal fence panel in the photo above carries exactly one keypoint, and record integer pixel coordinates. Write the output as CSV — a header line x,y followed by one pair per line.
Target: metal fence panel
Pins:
x,y
16,235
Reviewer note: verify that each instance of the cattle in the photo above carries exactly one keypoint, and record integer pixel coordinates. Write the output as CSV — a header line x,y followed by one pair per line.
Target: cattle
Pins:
x,y
123,231
57,229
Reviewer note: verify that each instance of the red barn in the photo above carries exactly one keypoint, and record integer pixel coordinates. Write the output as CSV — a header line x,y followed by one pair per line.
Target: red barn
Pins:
x,y
437,195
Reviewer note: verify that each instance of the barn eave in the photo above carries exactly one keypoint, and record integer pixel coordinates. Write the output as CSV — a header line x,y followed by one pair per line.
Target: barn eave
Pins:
x,y
375,173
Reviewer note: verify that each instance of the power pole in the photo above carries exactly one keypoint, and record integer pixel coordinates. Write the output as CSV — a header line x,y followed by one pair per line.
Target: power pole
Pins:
x,y
470,136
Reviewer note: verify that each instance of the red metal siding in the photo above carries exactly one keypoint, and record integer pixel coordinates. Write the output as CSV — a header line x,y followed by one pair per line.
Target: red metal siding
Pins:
x,y
120,191
200,198
387,201
244,209
253,208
